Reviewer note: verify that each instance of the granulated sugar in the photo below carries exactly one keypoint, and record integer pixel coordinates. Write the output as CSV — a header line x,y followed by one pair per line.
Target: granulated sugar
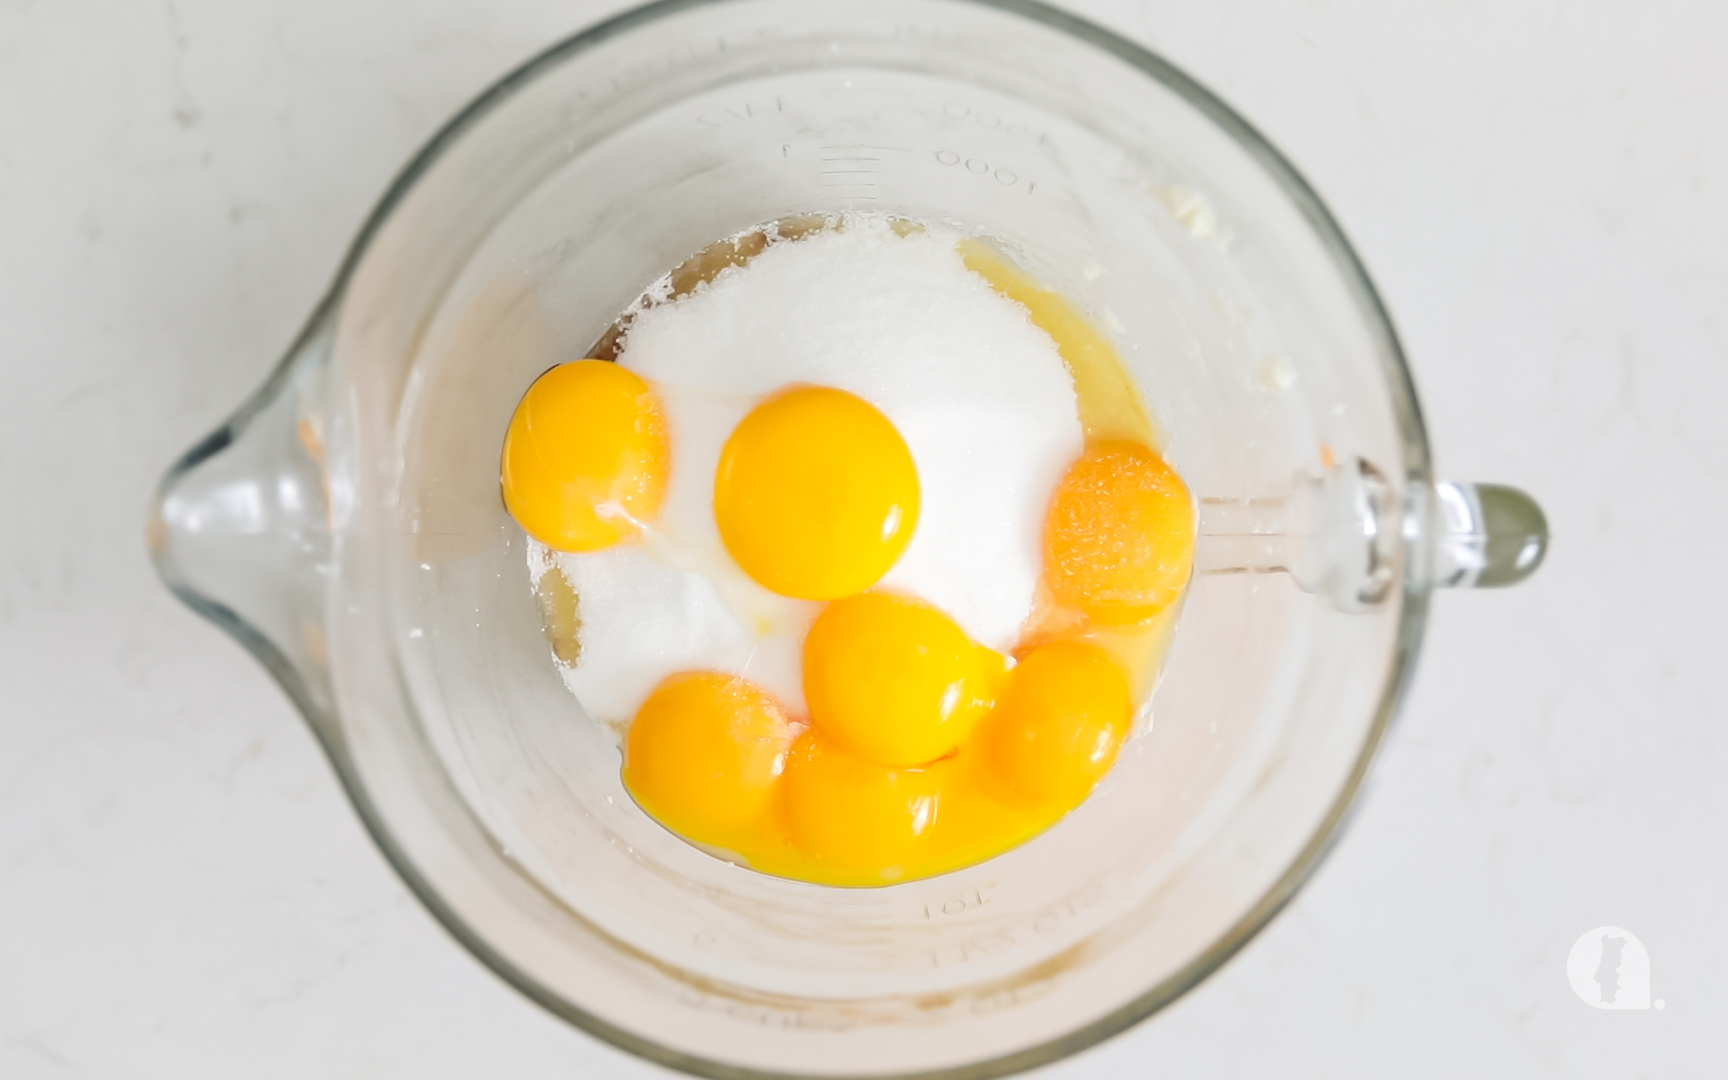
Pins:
x,y
980,395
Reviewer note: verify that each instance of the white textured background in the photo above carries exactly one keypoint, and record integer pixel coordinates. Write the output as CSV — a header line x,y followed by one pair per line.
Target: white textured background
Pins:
x,y
1541,190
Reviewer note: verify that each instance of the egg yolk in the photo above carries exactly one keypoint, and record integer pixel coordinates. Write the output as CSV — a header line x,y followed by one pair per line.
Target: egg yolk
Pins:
x,y
1119,536
1061,720
703,753
865,823
894,680
585,457
924,752
816,494
980,818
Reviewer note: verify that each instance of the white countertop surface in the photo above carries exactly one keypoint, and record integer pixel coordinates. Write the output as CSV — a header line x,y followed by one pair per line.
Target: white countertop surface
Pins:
x,y
1540,190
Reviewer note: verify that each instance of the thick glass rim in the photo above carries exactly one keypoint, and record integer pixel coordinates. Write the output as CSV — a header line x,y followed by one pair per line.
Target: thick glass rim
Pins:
x,y
1412,613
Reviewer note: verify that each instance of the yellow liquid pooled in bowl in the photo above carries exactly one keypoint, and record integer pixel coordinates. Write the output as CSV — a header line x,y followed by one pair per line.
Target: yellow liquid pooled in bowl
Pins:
x,y
922,751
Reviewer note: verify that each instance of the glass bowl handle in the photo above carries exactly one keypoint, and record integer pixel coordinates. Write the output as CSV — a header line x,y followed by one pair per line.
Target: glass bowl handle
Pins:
x,y
1486,536
1349,535
240,526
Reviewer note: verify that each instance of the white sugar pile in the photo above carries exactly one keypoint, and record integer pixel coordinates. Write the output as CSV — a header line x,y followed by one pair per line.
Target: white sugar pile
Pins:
x,y
978,392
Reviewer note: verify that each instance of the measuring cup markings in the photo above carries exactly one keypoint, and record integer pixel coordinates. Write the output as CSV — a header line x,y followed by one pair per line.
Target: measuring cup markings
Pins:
x,y
979,167
760,1014
766,1017
748,110
854,171
1046,922
1010,997
973,949
851,169
866,148
1066,910
642,71
970,901
990,120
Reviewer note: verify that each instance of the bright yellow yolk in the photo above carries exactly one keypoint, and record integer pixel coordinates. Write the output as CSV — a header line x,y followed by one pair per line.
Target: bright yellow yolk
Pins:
x,y
1119,537
865,823
585,458
816,494
703,754
1059,725
895,681
924,754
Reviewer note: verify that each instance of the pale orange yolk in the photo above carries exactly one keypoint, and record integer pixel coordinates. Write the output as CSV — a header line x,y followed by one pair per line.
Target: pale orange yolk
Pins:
x,y
894,680
585,457
864,822
703,754
816,494
1119,537
1060,722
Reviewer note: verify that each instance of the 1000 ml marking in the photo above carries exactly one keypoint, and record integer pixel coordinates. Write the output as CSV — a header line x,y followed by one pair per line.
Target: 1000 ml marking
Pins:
x,y
979,167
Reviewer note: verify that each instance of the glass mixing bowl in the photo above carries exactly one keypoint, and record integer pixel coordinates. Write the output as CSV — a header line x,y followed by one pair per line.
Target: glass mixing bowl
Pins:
x,y
345,525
